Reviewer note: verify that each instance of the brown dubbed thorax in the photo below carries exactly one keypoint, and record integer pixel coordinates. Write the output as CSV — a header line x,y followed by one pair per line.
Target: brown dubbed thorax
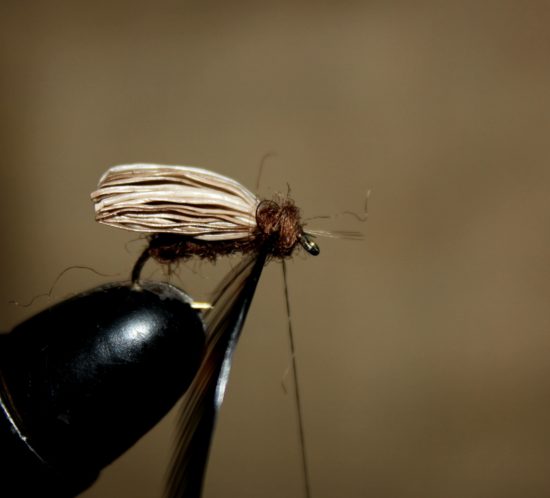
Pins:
x,y
277,225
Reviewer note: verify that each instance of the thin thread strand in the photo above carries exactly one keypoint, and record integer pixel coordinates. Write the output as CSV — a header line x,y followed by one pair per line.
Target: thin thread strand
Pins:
x,y
307,487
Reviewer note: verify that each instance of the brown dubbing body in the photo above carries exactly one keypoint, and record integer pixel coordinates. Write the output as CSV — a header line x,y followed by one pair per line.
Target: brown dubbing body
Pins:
x,y
277,225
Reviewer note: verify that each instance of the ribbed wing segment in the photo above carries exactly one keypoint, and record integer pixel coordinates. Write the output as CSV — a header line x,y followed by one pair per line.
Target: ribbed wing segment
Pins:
x,y
190,201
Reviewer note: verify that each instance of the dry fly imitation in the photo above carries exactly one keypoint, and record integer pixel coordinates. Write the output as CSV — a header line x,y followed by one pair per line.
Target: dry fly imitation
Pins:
x,y
187,211
190,211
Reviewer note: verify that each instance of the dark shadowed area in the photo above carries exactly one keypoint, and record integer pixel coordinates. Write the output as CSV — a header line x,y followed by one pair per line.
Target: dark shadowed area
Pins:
x,y
424,350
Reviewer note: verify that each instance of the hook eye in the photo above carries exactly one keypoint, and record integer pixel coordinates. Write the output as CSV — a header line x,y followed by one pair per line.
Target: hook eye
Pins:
x,y
309,245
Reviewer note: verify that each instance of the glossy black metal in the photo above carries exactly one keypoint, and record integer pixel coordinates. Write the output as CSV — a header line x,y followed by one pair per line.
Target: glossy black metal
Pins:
x,y
83,380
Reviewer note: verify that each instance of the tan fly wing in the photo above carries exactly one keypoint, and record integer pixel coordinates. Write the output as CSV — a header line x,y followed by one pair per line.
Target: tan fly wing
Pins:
x,y
184,200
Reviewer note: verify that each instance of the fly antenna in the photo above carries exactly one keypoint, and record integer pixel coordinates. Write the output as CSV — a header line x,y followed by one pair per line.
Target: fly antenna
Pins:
x,y
307,488
358,216
265,157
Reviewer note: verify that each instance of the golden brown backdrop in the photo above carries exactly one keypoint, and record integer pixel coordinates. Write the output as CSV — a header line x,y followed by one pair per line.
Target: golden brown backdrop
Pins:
x,y
424,350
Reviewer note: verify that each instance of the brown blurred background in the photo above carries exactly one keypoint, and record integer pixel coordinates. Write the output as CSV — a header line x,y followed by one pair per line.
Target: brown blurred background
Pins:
x,y
425,349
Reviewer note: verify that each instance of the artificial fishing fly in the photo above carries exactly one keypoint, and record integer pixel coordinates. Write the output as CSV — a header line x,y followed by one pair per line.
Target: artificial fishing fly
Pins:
x,y
189,211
